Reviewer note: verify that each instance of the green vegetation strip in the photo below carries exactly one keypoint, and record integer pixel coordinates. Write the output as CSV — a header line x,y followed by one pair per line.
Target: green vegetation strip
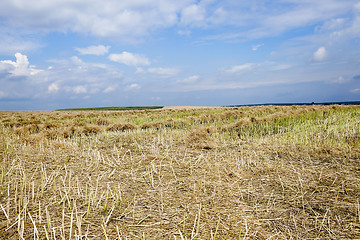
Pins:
x,y
110,108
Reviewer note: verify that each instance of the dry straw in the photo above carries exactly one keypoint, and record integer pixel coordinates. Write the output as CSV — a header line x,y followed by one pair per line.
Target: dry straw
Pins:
x,y
266,172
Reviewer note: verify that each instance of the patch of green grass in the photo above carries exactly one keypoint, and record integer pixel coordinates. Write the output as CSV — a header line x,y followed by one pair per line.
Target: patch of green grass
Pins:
x,y
111,108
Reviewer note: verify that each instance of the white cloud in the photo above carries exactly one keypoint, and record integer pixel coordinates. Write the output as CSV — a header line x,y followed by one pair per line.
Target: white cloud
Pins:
x,y
193,14
219,16
139,70
262,21
76,60
191,79
332,24
129,59
53,88
20,67
240,68
110,89
184,32
76,71
305,13
353,30
256,47
79,77
164,72
94,50
357,6
126,19
14,40
72,77
320,54
3,94
133,86
356,90
266,66
278,67
79,89
340,80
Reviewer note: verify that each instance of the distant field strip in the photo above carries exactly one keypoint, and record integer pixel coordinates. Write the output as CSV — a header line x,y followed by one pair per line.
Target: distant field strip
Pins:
x,y
110,108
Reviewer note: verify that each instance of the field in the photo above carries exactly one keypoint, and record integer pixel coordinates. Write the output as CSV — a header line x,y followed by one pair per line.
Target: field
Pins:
x,y
264,172
110,108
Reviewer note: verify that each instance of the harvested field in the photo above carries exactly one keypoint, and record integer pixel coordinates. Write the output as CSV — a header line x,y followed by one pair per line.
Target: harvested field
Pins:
x,y
263,172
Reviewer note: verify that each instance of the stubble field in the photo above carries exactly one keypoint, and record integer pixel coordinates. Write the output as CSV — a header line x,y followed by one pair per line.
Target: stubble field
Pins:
x,y
266,172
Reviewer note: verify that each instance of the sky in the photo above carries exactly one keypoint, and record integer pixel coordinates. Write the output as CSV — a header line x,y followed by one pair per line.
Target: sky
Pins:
x,y
93,53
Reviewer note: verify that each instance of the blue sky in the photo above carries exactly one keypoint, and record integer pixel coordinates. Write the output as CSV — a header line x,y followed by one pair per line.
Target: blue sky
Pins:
x,y
87,53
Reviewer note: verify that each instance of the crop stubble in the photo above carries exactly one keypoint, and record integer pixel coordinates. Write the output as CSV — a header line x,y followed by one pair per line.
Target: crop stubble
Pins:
x,y
266,172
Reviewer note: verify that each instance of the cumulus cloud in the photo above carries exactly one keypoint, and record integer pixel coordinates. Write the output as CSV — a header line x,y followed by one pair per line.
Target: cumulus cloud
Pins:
x,y
133,86
240,68
193,14
53,88
76,71
130,59
79,89
64,78
94,50
110,89
20,67
76,60
164,72
79,78
320,54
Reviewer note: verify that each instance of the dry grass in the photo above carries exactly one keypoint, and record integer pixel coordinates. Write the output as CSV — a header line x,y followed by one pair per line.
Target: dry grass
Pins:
x,y
207,173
